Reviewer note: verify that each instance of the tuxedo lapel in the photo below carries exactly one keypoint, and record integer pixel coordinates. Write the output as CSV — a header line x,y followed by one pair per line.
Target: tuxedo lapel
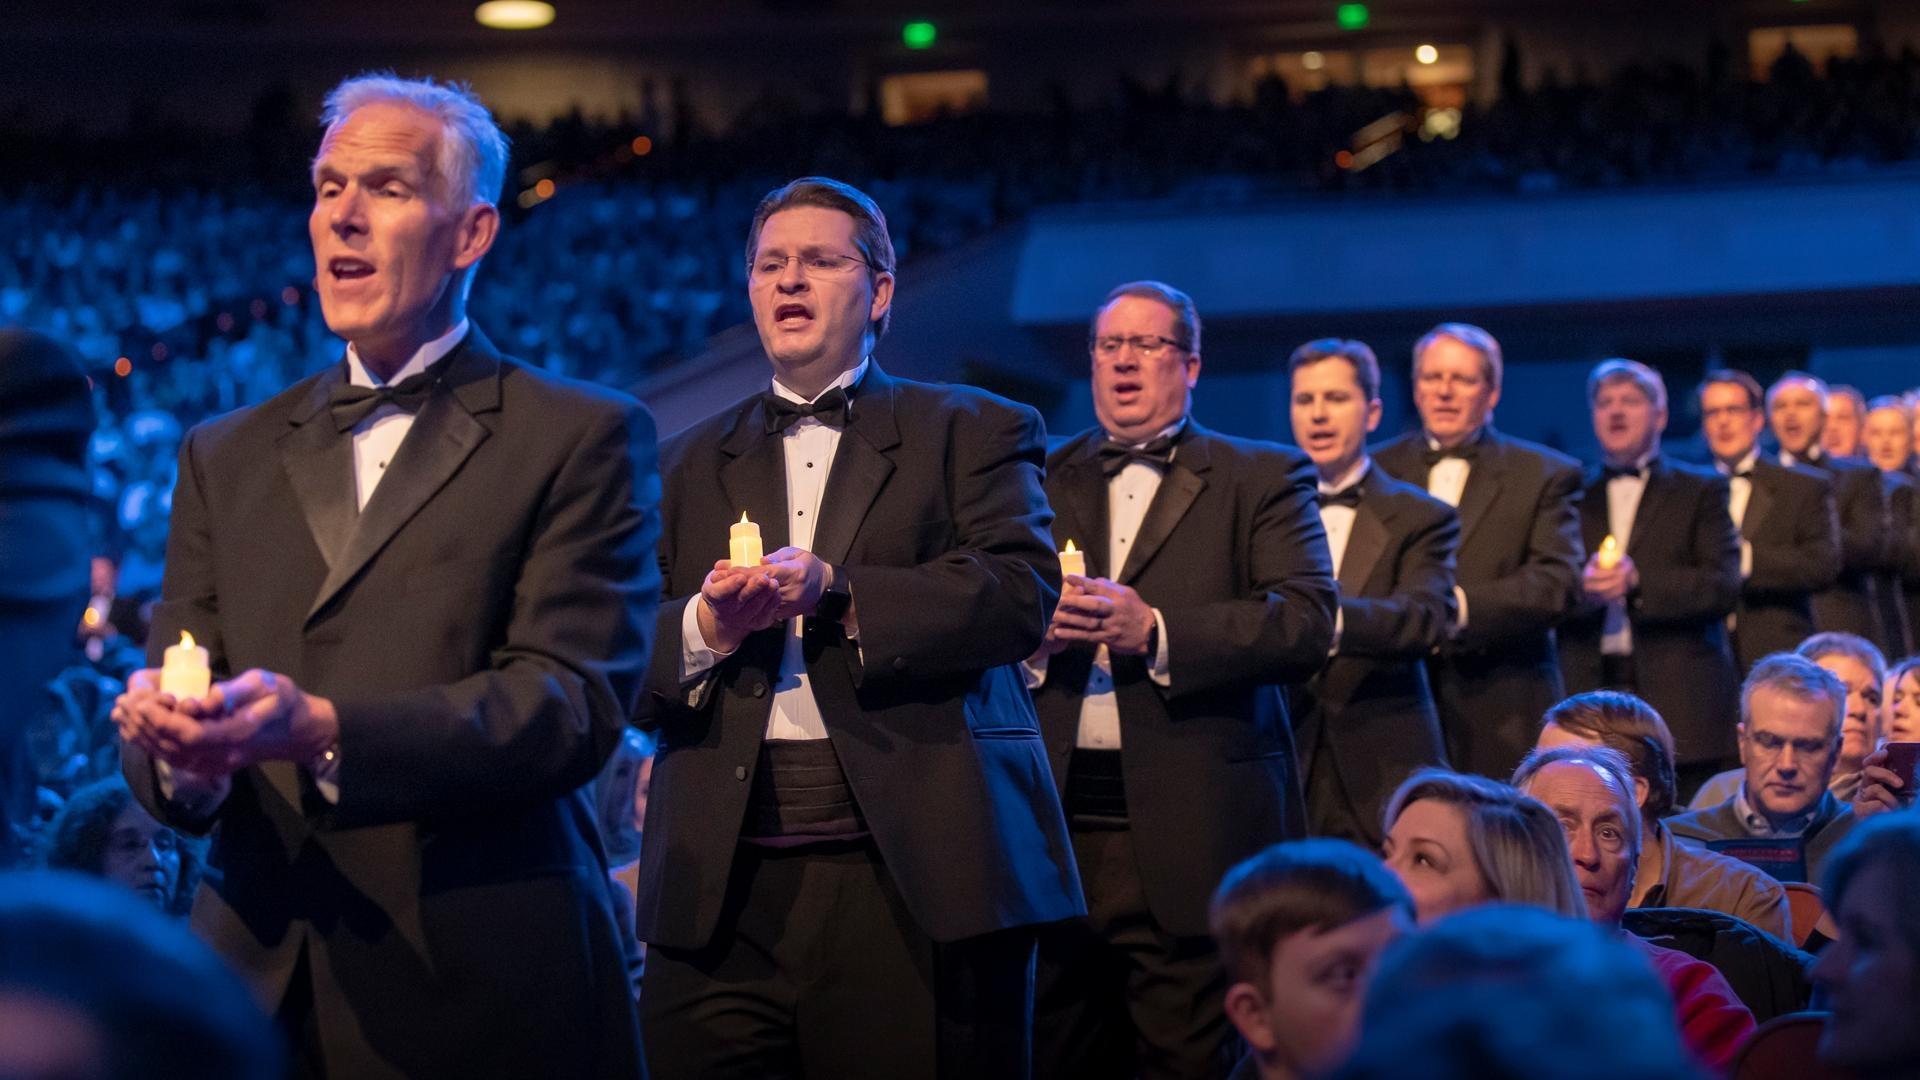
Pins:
x,y
443,436
1595,518
1182,484
1082,504
1366,542
1759,504
1483,484
318,460
1653,500
860,466
754,476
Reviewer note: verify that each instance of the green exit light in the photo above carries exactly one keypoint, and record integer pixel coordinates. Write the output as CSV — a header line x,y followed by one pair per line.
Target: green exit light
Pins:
x,y
918,35
1353,16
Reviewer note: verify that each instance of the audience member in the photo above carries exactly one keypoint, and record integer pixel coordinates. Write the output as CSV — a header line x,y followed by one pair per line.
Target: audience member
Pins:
x,y
1590,789
1669,873
1783,818
1458,840
1299,927
103,832
1512,992
94,985
1871,974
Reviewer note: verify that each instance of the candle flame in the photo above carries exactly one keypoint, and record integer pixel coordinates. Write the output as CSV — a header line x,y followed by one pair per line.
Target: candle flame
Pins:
x,y
743,518
1609,543
1070,548
186,640
92,617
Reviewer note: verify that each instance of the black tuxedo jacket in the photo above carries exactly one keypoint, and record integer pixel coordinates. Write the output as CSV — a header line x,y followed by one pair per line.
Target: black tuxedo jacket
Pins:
x,y
482,628
1232,554
1519,566
1867,552
1688,555
1795,534
935,516
1371,709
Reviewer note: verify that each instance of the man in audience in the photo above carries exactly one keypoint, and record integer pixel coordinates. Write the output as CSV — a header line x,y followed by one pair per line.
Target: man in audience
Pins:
x,y
1514,992
1783,818
1789,534
423,580
1871,974
1520,554
46,418
1590,789
1299,927
1797,409
1653,616
95,985
1160,690
1367,720
1841,435
1668,873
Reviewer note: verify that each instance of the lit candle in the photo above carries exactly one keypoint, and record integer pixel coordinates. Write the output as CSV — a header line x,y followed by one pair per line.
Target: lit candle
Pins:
x,y
1073,561
1609,554
185,673
743,543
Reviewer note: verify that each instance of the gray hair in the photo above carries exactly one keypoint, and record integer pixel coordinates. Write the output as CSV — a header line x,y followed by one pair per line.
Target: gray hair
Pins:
x,y
1818,384
1186,317
472,150
1517,842
1491,364
1798,678
1633,371
1611,763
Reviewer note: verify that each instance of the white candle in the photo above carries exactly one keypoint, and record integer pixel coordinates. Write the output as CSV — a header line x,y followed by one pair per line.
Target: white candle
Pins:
x,y
1609,554
1073,561
743,543
185,673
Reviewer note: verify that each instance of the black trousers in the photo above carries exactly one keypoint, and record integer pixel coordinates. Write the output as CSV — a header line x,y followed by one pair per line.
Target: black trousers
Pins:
x,y
817,970
1117,995
1332,810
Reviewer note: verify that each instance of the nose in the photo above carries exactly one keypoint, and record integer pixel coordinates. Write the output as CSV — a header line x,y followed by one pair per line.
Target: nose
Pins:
x,y
791,279
1787,765
1582,848
348,214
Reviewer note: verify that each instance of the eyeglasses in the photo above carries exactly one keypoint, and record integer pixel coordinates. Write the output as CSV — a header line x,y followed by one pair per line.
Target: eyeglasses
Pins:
x,y
815,265
1146,346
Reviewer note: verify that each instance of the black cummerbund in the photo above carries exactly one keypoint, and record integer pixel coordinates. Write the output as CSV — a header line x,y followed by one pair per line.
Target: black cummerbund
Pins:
x,y
800,794
1096,794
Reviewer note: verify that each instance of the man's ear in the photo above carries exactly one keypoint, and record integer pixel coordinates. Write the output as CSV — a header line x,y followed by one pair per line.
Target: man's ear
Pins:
x,y
1248,1011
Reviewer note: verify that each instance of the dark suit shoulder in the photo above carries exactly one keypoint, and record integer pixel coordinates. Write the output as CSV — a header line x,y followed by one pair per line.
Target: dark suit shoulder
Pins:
x,y
1546,459
1264,451
1689,471
266,418
1401,499
957,397
540,387
1796,479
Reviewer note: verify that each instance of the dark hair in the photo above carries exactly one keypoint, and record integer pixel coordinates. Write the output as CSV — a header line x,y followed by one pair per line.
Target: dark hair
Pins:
x,y
1295,886
1889,840
1186,317
1366,366
1511,992
1629,726
81,832
1492,366
1619,369
869,224
1756,397
157,999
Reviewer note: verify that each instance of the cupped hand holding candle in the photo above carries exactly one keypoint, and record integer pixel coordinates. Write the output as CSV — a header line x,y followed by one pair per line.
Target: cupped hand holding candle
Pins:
x,y
743,543
185,672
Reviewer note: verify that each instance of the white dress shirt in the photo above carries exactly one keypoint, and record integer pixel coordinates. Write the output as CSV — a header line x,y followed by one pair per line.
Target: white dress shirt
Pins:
x,y
375,440
1739,493
809,447
1623,505
1447,481
1338,522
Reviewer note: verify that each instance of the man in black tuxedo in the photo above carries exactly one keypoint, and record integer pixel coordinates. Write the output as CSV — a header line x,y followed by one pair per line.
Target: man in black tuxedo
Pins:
x,y
1653,617
425,579
851,832
1367,720
46,419
1789,534
1855,603
1207,588
1520,553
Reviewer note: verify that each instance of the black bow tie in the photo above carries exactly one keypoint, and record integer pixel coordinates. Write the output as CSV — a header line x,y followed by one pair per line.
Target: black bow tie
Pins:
x,y
1740,474
1116,456
832,408
1464,453
1348,496
1615,472
351,404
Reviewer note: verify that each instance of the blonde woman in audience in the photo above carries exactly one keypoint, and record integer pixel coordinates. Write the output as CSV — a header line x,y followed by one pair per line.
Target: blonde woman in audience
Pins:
x,y
1458,841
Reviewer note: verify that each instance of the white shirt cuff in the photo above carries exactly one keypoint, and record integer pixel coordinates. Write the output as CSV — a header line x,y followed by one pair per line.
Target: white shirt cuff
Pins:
x,y
198,795
1460,617
696,656
1035,671
1157,667
1339,624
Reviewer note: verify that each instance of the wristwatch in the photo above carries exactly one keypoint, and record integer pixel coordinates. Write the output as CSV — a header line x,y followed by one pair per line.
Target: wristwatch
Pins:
x,y
836,598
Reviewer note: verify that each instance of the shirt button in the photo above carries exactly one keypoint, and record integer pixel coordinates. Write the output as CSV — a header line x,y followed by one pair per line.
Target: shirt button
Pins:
x,y
899,663
739,772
